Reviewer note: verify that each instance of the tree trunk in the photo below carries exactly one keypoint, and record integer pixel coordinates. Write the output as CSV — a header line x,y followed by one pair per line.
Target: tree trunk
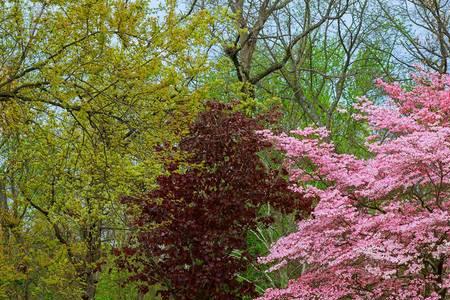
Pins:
x,y
91,285
4,211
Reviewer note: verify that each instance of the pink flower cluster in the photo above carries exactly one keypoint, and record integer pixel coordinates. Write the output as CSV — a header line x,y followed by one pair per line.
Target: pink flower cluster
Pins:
x,y
381,226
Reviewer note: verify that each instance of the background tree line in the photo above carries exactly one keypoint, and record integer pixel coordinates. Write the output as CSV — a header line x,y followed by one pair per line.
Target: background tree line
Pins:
x,y
90,89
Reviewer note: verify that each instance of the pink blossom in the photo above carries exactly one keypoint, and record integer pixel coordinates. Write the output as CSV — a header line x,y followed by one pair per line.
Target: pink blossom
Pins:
x,y
381,228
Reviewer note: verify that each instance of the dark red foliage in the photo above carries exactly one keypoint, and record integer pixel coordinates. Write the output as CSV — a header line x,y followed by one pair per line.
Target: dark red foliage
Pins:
x,y
203,213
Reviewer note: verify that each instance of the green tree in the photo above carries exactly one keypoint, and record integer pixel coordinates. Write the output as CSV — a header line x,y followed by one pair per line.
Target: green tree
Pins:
x,y
87,90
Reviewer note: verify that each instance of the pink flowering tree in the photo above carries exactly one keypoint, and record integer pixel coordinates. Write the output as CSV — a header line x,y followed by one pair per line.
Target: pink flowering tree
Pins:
x,y
381,226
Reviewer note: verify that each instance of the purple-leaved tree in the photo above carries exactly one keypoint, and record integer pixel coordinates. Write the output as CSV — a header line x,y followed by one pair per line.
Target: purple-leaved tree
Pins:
x,y
191,230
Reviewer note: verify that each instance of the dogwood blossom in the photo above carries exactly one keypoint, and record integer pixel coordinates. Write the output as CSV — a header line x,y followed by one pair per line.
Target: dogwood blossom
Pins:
x,y
381,226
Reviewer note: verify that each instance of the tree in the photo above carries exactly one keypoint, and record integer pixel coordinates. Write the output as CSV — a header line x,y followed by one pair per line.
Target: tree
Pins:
x,y
381,229
192,228
422,29
252,21
87,89
312,56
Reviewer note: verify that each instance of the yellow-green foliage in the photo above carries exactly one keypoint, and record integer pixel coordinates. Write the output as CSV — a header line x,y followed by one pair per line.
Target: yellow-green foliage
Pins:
x,y
87,90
